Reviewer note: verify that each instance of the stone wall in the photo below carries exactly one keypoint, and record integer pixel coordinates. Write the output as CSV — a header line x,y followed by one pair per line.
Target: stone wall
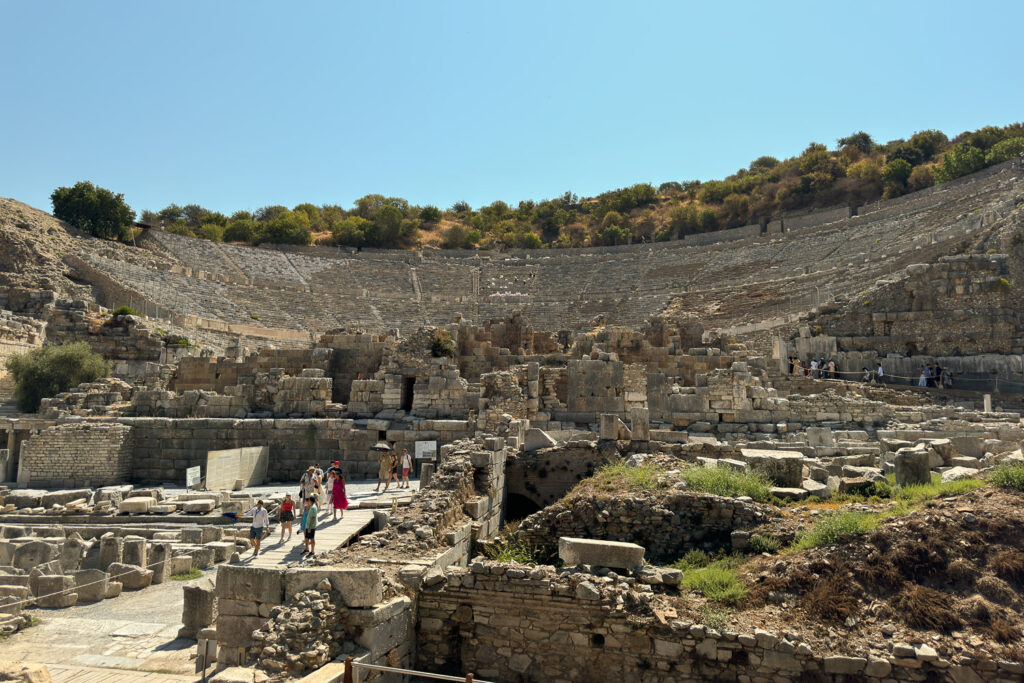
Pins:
x,y
546,475
76,455
667,525
520,623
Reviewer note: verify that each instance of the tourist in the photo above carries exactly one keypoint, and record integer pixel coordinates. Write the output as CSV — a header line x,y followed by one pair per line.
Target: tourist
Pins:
x,y
814,369
260,523
394,468
937,375
337,483
867,375
923,379
831,369
798,368
285,516
791,365
318,485
406,466
306,483
309,534
880,374
383,470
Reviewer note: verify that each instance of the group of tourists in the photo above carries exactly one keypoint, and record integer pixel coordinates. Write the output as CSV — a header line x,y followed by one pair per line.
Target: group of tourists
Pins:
x,y
934,375
389,463
314,488
816,369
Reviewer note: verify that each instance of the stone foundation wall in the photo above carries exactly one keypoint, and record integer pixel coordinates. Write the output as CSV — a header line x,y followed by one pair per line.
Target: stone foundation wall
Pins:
x,y
518,624
77,455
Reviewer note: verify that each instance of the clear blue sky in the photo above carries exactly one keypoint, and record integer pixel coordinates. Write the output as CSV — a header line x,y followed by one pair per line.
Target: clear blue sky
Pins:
x,y
237,105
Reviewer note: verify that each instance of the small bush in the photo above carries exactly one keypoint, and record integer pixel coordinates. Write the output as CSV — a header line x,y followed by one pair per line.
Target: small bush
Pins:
x,y
836,528
725,481
1009,475
716,582
715,617
915,493
125,310
187,576
764,544
49,370
442,345
694,559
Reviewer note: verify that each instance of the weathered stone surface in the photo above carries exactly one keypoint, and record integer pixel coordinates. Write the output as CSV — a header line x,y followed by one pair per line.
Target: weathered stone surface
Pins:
x,y
958,473
34,553
815,488
56,591
537,439
250,583
784,468
199,506
613,554
136,504
91,585
131,577
200,608
24,672
912,466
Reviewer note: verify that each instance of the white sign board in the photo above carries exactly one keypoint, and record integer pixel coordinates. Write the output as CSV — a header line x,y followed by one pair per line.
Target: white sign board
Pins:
x,y
426,450
193,475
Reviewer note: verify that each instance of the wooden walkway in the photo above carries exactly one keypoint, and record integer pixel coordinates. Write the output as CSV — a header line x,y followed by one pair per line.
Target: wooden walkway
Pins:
x,y
87,674
329,535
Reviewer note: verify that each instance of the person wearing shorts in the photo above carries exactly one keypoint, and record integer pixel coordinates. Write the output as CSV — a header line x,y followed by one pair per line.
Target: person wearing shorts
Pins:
x,y
384,471
260,523
285,516
310,532
406,466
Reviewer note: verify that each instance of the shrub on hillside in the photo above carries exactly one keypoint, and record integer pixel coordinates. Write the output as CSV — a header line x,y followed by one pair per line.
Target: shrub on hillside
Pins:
x,y
725,481
959,161
124,310
1004,151
1009,475
95,210
442,345
49,370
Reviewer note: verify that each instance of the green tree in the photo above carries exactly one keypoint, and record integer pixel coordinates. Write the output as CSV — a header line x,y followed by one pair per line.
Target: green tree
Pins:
x,y
94,210
959,161
286,228
929,143
1004,150
50,370
764,163
210,231
240,229
351,231
896,172
859,140
707,220
430,214
920,178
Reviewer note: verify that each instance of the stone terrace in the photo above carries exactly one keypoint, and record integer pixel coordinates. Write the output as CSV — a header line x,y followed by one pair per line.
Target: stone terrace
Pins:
x,y
321,288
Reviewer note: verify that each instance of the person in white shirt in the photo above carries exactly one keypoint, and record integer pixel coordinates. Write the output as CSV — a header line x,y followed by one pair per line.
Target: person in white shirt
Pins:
x,y
880,374
260,523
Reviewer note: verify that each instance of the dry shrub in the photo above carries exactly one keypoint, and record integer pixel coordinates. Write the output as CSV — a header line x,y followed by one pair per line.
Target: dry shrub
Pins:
x,y
996,590
927,608
988,619
882,575
1009,566
832,598
918,560
962,570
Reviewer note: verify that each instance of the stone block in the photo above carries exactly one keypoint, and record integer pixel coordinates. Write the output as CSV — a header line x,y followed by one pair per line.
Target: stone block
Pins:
x,y
64,497
815,488
179,564
111,549
537,439
55,591
136,504
192,535
158,556
33,553
91,584
201,505
202,557
236,631
250,583
786,493
72,553
964,461
820,436
200,608
361,587
131,577
784,468
134,551
113,589
574,551
958,473
221,550
912,466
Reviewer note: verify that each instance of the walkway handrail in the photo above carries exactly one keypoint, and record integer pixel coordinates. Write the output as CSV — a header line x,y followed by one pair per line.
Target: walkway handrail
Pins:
x,y
351,665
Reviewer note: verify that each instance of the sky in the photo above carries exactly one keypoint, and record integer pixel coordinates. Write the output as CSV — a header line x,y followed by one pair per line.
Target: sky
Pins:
x,y
242,104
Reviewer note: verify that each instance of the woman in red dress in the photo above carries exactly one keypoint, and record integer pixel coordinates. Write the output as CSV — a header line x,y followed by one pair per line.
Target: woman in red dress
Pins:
x,y
340,502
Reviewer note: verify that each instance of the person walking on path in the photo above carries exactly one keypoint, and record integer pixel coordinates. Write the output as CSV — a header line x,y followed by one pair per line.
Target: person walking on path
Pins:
x,y
406,466
310,533
260,523
831,369
880,374
384,470
923,379
339,501
306,483
394,469
286,515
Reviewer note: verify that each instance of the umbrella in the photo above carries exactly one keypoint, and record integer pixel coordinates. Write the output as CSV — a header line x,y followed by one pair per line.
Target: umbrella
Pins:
x,y
380,446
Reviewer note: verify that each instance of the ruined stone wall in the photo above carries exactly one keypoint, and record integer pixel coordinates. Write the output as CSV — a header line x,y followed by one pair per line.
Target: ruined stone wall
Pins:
x,y
667,525
545,476
514,623
76,455
216,374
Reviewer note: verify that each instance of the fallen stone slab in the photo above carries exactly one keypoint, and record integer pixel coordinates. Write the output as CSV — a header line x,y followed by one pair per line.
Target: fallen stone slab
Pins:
x,y
113,589
912,466
200,505
132,577
91,585
786,493
33,553
964,461
816,488
854,485
55,591
24,498
64,497
784,468
136,504
221,550
958,473
179,564
162,509
614,554
537,439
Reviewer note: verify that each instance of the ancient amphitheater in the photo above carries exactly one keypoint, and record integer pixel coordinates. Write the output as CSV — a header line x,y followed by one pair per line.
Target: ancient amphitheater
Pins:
x,y
617,468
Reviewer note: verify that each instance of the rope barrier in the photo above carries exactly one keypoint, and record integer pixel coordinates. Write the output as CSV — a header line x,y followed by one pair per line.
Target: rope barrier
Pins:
x,y
91,583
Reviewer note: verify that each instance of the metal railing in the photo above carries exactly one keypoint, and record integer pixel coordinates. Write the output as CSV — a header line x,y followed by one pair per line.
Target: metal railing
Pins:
x,y
351,665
